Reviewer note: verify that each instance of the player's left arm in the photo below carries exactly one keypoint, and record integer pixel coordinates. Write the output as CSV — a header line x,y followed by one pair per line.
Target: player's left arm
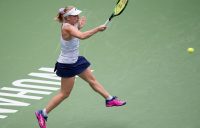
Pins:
x,y
82,22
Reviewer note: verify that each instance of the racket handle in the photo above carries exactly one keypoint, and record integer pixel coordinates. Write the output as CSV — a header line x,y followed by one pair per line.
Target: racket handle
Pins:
x,y
107,22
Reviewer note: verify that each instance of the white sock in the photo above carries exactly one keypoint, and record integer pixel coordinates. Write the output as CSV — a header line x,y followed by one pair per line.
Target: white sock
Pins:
x,y
44,111
109,97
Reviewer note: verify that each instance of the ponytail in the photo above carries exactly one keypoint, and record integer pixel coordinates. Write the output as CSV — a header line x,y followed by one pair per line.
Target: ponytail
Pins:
x,y
61,12
59,16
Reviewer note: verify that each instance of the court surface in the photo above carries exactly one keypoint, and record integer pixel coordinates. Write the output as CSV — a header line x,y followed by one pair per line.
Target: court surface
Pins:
x,y
141,58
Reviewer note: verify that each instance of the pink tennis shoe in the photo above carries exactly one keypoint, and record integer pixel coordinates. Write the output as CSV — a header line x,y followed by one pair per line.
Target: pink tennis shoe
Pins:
x,y
114,102
41,119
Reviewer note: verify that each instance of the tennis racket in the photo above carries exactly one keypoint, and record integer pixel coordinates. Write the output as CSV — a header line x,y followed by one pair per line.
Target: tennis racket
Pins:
x,y
119,8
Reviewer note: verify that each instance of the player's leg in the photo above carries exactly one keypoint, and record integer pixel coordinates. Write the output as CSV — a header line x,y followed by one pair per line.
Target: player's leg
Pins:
x,y
66,87
96,86
91,80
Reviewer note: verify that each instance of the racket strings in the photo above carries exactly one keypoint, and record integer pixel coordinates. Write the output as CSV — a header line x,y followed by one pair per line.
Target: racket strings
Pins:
x,y
120,6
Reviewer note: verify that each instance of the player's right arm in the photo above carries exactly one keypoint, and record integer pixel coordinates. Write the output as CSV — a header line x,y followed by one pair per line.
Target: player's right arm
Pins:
x,y
74,32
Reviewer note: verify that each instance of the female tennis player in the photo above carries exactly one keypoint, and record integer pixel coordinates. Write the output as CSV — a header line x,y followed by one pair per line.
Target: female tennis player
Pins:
x,y
69,63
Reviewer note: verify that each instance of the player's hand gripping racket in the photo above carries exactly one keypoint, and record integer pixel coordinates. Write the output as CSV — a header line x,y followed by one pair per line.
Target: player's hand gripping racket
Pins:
x,y
119,8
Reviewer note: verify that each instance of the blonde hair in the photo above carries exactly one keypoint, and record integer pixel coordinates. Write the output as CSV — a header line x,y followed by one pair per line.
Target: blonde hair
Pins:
x,y
60,14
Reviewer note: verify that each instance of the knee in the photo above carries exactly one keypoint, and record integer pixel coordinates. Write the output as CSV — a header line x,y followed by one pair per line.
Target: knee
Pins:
x,y
65,95
92,82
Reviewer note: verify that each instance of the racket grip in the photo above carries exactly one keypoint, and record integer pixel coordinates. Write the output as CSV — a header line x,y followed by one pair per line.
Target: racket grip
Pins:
x,y
107,22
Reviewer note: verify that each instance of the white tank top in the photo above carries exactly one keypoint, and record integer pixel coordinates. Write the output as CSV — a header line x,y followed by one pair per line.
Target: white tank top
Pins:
x,y
69,51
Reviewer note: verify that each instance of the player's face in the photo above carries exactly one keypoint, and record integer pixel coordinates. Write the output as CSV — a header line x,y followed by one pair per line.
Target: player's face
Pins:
x,y
74,19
